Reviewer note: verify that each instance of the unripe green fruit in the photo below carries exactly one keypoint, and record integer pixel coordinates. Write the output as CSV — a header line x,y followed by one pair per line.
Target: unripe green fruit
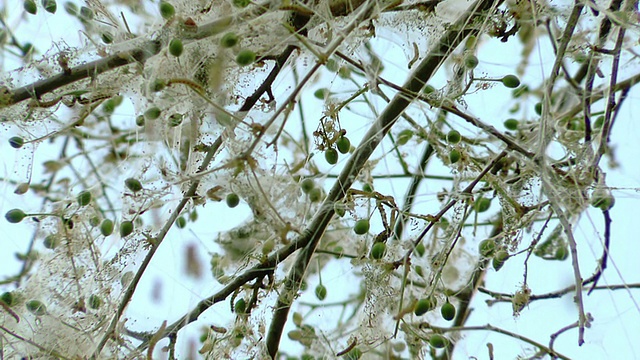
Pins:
x,y
240,307
175,47
133,184
487,247
321,94
454,156
438,341
245,57
71,8
404,136
499,259
140,120
511,81
84,198
232,200
343,144
538,108
378,250
361,227
51,241
126,228
16,142
448,311
175,120
453,137
36,307
599,122
321,292
94,221
315,195
602,199
424,305
86,13
50,6
307,185
181,222
158,85
511,124
229,40
339,209
482,204
331,155
94,301
152,113
106,37
367,188
8,298
14,216
30,6
106,227
428,89
167,11
241,3
470,61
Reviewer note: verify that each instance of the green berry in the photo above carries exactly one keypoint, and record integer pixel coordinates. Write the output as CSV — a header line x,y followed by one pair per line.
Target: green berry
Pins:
x,y
404,136
175,47
367,188
232,200
470,61
538,108
424,305
36,307
8,298
240,307
428,89
229,40
511,124
339,209
50,6
321,94
307,185
158,85
482,204
94,221
51,241
315,195
84,198
245,57
16,142
378,250
453,137
343,144
175,119
133,184
448,311
15,216
599,122
94,301
241,3
152,113
106,37
511,81
126,228
331,155
487,247
140,120
321,292
167,11
106,227
361,227
438,341
71,8
499,259
30,6
181,222
454,156
86,13
602,199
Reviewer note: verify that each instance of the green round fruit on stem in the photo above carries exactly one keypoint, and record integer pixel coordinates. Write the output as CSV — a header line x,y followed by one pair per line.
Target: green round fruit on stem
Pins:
x,y
454,156
84,198
94,301
8,298
602,199
321,292
106,37
470,61
140,120
152,113
453,137
599,122
30,6
16,142
232,200
133,184
175,47
343,144
511,81
86,14
511,124
50,6
51,241
428,89
167,11
71,8
315,195
487,247
438,341
538,108
36,307
339,208
106,227
14,216
378,250
499,259
158,85
331,155
240,306
181,222
245,57
307,185
361,227
321,93
404,136
424,305
448,311
229,40
482,204
126,228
